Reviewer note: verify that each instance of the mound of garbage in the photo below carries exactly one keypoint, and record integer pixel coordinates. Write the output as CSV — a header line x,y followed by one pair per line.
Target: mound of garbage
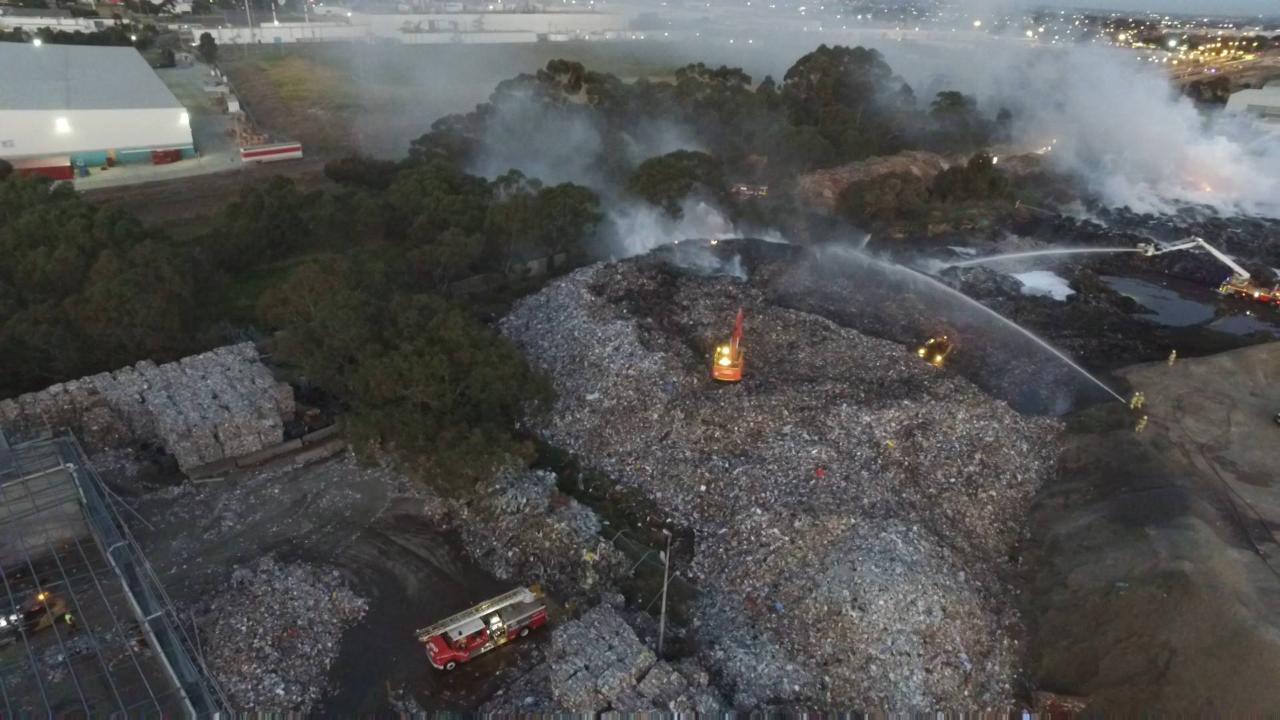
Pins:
x,y
821,188
271,636
854,509
596,663
202,409
520,528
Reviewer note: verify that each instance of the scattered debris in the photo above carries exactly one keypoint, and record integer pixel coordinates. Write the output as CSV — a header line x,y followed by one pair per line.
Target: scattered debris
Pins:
x,y
882,581
272,634
520,528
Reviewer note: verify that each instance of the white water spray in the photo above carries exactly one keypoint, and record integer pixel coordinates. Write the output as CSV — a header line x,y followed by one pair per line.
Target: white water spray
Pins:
x,y
849,253
1038,253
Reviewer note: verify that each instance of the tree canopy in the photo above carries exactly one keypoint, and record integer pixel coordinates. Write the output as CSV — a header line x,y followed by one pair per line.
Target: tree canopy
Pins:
x,y
668,179
85,288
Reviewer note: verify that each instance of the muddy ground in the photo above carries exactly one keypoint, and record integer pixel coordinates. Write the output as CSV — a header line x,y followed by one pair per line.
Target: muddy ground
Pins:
x,y
1154,568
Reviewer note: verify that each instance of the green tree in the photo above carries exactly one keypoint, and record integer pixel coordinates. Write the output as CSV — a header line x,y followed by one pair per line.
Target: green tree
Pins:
x,y
958,126
452,256
511,222
437,196
566,217
884,199
416,373
84,288
208,48
852,96
977,180
138,303
267,222
362,172
666,180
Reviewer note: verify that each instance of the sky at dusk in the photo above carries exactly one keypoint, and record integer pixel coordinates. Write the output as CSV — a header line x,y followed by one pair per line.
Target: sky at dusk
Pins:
x,y
1208,7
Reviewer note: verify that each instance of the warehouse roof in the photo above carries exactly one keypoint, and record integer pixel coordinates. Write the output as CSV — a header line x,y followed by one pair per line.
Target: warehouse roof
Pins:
x,y
78,77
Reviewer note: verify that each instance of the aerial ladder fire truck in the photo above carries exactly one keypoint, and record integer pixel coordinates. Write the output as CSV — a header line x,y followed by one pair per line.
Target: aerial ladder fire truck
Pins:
x,y
1241,283
495,622
726,365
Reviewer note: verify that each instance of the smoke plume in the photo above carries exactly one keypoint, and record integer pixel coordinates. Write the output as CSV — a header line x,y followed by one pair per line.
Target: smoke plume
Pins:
x,y
1122,128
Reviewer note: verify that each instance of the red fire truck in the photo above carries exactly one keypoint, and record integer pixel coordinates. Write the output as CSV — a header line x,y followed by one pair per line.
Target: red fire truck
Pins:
x,y
477,630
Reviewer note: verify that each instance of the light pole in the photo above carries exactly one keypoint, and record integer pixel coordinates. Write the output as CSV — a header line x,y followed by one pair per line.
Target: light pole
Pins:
x,y
666,574
248,11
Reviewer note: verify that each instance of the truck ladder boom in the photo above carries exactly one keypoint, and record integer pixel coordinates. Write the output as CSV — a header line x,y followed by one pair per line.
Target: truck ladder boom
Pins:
x,y
1195,242
484,608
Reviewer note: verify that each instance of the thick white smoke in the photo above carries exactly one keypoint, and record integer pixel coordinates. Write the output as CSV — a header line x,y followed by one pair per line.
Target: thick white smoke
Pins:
x,y
1120,125
1121,128
635,228
556,144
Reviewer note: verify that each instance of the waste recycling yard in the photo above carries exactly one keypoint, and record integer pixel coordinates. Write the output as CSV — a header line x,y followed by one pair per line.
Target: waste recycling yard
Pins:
x,y
864,487
852,526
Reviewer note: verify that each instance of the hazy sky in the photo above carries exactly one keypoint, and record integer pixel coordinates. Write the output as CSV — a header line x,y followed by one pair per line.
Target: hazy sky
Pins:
x,y
1211,7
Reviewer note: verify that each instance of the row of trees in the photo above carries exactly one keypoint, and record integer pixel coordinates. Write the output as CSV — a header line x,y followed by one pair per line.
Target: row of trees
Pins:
x,y
834,105
84,288
117,34
358,286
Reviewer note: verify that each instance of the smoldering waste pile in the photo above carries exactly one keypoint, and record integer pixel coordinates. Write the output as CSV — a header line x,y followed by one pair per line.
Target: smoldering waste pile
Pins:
x,y
853,508
521,529
272,634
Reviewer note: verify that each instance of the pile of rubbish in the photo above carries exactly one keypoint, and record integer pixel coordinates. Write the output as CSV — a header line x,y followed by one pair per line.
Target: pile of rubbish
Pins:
x,y
822,188
519,527
890,301
272,634
854,508
203,409
596,664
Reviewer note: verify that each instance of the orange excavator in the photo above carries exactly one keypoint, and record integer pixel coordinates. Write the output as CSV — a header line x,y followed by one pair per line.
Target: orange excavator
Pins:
x,y
726,366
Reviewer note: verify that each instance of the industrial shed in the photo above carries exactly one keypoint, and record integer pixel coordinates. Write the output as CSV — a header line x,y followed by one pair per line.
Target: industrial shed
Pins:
x,y
1261,103
72,105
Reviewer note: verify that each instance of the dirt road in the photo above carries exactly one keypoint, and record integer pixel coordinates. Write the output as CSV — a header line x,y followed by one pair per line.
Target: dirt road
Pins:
x,y
186,201
1154,569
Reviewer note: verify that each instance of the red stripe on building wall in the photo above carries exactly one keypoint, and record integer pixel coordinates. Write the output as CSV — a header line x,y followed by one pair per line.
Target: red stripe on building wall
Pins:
x,y
267,152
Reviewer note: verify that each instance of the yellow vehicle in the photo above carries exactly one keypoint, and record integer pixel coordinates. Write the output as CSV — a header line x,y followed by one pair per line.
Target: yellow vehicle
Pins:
x,y
936,350
39,613
726,364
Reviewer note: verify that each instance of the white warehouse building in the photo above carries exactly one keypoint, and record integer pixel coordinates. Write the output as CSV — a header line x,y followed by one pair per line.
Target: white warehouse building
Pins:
x,y
1260,103
64,106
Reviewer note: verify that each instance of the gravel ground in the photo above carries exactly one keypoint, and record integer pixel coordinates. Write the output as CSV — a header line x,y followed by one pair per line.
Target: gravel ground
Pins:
x,y
272,634
843,479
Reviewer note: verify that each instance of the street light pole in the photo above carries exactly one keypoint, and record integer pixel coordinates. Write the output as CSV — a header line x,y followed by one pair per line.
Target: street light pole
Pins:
x,y
666,574
248,11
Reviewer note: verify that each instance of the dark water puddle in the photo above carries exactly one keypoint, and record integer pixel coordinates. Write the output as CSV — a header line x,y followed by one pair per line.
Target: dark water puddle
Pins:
x,y
1179,304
